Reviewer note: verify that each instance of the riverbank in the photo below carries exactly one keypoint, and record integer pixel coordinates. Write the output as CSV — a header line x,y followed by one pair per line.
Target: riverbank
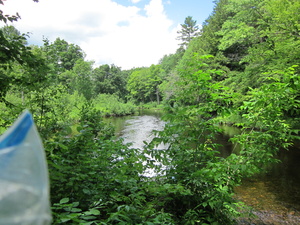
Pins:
x,y
275,195
267,207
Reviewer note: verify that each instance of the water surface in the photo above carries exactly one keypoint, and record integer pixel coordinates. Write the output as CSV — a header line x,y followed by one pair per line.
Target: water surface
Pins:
x,y
274,195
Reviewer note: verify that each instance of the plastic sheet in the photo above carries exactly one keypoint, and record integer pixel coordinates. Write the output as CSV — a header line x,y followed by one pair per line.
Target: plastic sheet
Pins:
x,y
24,182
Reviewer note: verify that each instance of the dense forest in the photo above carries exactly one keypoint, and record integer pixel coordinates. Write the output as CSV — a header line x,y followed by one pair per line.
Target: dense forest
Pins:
x,y
241,68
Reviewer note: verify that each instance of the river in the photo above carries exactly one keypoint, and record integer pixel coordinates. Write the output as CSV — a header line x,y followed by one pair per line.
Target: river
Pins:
x,y
137,129
274,195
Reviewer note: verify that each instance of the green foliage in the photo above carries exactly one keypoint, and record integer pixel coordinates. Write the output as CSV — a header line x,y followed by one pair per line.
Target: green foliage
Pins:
x,y
110,80
112,105
15,56
197,85
95,180
83,79
236,69
143,84
71,213
201,180
62,54
270,109
192,158
261,36
169,62
168,87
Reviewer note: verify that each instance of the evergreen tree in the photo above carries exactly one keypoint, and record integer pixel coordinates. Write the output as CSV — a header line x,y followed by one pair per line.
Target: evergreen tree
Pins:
x,y
188,31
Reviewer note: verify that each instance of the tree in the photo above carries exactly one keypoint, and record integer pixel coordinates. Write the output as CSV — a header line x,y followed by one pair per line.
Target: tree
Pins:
x,y
136,84
157,75
63,54
12,43
83,79
13,50
11,33
110,80
14,53
143,83
169,62
258,37
188,31
191,158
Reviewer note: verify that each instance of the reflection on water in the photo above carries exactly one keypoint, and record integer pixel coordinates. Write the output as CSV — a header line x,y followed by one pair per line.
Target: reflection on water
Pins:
x,y
226,146
138,129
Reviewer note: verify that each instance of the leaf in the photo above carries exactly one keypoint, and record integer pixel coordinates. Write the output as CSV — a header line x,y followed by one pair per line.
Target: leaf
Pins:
x,y
86,191
89,218
95,212
75,210
65,219
64,200
75,204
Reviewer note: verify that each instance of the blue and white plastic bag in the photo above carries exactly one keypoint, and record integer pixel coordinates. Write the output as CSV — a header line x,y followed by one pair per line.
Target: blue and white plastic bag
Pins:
x,y
24,182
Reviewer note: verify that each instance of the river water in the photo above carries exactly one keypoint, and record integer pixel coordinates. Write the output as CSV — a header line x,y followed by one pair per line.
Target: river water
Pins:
x,y
137,129
274,195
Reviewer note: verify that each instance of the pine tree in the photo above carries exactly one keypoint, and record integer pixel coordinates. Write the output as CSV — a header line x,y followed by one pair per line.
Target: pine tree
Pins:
x,y
188,31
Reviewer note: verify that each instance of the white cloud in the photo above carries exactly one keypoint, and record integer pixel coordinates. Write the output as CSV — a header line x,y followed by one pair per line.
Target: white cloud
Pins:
x,y
135,1
108,32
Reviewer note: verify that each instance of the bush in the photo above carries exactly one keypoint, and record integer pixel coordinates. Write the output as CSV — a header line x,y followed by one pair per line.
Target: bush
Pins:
x,y
113,105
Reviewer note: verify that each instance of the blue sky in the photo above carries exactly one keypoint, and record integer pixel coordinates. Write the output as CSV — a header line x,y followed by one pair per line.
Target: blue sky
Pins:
x,y
178,10
200,10
127,33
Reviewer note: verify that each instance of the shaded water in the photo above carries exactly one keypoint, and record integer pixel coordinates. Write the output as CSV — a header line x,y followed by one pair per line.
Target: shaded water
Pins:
x,y
274,195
